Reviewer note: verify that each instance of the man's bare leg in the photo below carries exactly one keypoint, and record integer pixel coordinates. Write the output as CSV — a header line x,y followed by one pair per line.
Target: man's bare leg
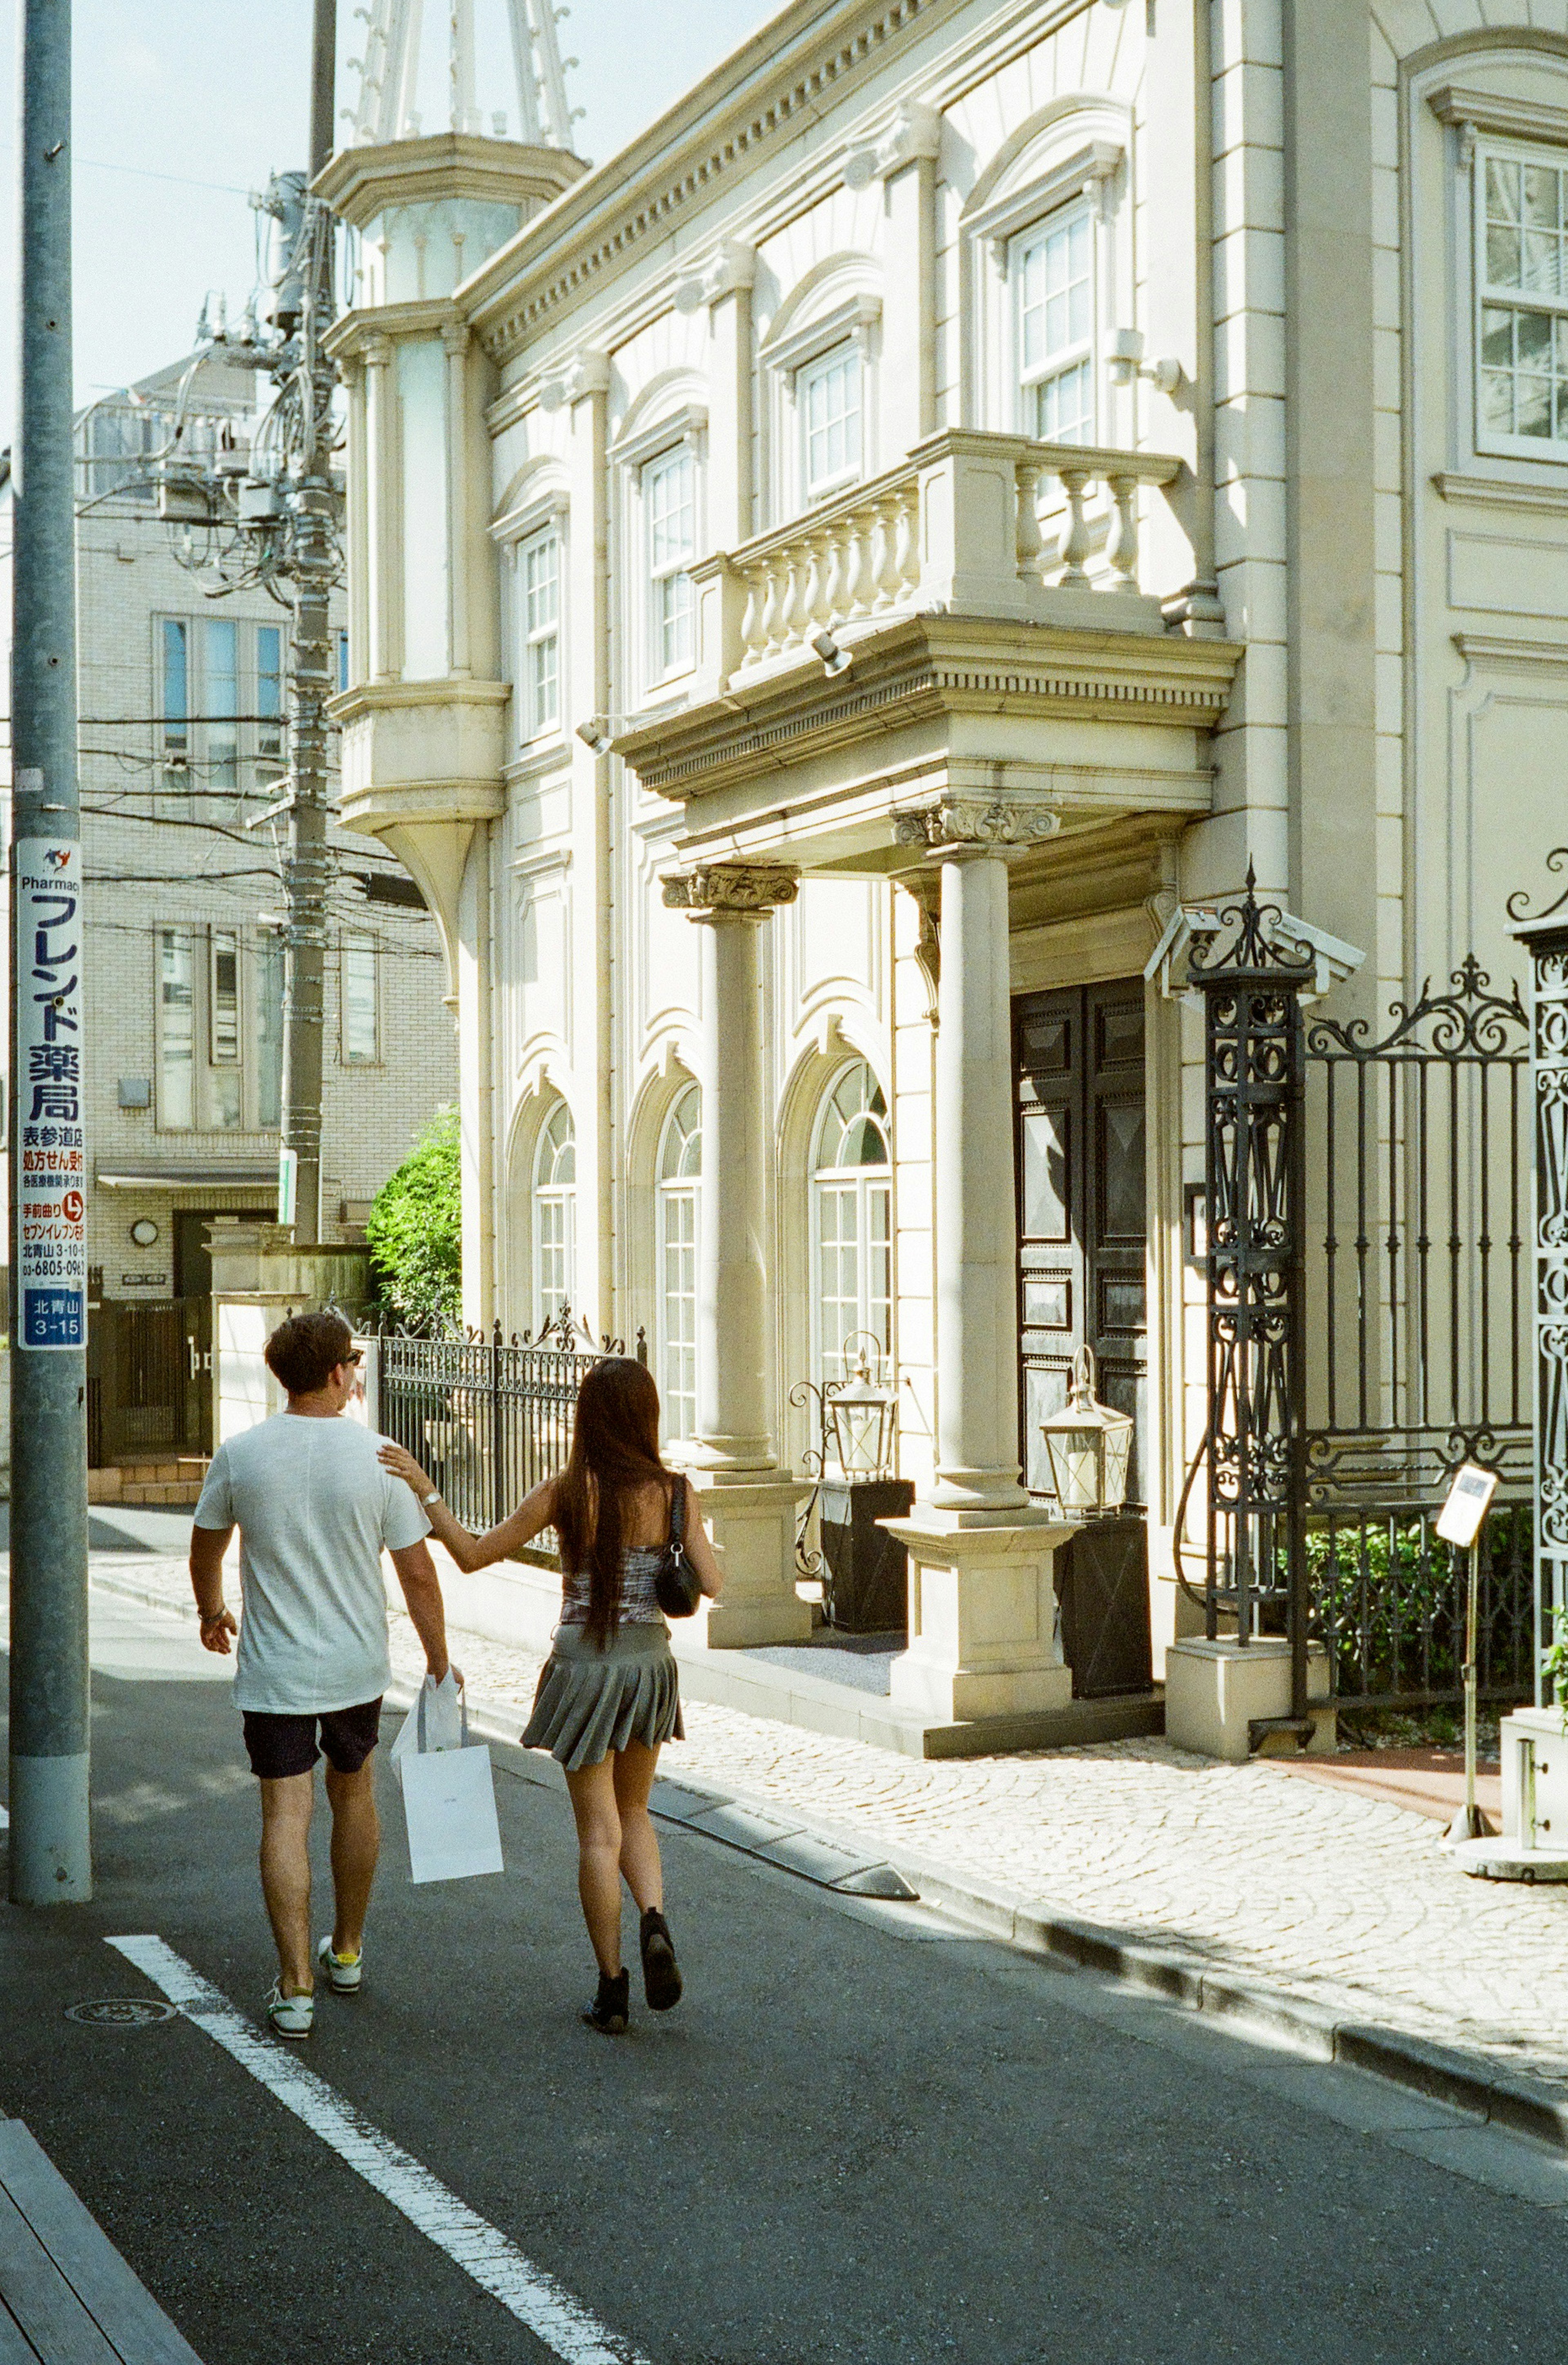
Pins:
x,y
285,1876
356,1843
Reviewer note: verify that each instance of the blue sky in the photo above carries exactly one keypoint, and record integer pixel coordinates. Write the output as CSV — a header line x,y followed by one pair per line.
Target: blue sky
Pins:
x,y
182,105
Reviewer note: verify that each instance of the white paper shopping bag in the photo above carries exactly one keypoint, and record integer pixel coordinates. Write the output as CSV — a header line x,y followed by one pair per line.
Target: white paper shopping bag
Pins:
x,y
449,1798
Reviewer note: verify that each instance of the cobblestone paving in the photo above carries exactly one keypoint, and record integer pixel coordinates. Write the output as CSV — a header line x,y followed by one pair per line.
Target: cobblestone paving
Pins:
x,y
1341,1900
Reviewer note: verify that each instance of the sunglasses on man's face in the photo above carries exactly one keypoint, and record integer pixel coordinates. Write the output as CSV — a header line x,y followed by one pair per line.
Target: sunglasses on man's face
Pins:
x,y
356,1356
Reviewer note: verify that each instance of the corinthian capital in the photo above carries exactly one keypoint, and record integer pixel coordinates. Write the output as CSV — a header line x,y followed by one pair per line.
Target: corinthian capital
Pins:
x,y
959,822
748,888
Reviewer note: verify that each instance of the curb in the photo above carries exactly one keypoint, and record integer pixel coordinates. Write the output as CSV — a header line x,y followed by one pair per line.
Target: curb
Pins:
x,y
1514,2100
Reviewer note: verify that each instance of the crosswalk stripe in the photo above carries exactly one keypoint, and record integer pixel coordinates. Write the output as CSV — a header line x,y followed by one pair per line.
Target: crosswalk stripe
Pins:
x,y
495,2264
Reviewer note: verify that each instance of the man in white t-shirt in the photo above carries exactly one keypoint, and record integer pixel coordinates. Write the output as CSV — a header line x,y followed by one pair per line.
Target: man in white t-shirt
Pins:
x,y
314,1509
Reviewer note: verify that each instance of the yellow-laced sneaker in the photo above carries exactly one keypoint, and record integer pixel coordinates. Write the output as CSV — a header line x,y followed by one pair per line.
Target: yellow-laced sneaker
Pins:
x,y
343,1970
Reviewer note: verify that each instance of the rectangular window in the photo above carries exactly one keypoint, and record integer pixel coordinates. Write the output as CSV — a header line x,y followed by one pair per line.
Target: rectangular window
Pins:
x,y
669,503
342,661
174,692
539,585
268,1029
1521,273
1053,279
828,398
177,1031
269,691
220,664
361,1044
223,999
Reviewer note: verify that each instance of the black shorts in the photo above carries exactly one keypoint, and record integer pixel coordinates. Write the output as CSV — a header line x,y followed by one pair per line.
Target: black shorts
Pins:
x,y
280,1745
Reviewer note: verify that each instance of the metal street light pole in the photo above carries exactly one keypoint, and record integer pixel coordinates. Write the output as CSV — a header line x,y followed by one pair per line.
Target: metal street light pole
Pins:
x,y
51,1858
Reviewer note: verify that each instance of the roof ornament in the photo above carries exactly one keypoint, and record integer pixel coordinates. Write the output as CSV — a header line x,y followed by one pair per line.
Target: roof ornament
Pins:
x,y
389,76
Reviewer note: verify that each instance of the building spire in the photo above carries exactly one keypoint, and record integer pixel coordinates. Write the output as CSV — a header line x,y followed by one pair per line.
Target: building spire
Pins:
x,y
389,74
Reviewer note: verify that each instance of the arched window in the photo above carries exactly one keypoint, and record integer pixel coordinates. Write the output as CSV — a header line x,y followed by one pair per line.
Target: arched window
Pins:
x,y
554,1230
852,1195
679,1192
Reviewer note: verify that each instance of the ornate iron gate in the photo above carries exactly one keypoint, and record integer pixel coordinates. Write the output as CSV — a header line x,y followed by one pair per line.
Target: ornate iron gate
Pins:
x,y
1369,1319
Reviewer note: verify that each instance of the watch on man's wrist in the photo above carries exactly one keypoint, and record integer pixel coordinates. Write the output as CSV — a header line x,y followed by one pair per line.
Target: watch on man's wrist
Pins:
x,y
434,1496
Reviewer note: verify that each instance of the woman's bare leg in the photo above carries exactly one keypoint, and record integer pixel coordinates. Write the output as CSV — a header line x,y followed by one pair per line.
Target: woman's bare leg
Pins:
x,y
592,1791
634,1768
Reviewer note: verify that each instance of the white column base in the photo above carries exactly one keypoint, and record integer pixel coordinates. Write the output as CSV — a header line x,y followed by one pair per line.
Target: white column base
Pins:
x,y
1213,1690
753,1519
982,1616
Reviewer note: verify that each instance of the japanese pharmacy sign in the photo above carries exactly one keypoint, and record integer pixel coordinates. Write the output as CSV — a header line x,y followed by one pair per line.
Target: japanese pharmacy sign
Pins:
x,y
51,1164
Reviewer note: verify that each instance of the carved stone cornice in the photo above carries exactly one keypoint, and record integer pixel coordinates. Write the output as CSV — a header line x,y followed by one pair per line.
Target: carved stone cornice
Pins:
x,y
751,889
915,132
968,824
725,273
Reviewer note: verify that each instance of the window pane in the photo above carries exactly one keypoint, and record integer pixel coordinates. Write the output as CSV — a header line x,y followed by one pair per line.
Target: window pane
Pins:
x,y
831,407
342,661
176,1030
269,689
359,999
677,611
672,522
541,576
220,654
176,687
225,997
678,1310
268,1029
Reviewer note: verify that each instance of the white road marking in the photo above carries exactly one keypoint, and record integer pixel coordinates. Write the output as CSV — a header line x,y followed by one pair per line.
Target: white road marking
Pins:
x,y
496,2265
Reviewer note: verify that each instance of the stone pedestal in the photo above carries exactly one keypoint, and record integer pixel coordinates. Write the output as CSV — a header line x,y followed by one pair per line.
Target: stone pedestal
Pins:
x,y
982,1618
1213,1690
753,1524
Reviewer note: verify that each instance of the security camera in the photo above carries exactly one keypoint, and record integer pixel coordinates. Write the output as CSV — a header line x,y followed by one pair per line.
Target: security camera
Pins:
x,y
595,734
834,659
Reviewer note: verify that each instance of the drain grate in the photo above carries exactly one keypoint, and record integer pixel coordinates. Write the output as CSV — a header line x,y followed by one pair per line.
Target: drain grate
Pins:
x,y
121,2011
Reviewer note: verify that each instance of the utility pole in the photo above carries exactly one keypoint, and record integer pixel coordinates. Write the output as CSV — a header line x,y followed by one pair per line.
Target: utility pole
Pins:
x,y
50,1853
313,503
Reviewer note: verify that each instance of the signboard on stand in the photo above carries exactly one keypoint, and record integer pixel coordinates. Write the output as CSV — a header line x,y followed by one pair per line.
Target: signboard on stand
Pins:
x,y
50,1156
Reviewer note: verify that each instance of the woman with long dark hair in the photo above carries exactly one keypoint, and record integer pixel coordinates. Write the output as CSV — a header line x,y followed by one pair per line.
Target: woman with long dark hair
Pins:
x,y
608,1698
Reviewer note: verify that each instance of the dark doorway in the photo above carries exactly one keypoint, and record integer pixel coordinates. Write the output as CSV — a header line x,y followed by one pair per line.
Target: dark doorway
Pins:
x,y
1082,1225
193,1264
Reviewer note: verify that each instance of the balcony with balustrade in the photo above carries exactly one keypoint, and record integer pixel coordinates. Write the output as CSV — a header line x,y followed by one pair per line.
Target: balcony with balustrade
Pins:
x,y
969,626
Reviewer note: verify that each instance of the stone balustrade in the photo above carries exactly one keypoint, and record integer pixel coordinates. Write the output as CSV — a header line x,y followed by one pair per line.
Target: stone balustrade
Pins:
x,y
956,527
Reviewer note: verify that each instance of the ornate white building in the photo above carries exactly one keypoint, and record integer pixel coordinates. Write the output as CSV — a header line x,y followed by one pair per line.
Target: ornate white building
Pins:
x,y
833,583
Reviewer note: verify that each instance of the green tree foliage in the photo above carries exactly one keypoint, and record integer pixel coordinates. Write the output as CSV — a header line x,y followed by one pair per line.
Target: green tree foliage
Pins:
x,y
416,1228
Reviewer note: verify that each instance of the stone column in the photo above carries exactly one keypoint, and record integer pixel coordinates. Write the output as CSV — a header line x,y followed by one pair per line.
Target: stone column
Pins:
x,y
749,1498
381,535
982,1626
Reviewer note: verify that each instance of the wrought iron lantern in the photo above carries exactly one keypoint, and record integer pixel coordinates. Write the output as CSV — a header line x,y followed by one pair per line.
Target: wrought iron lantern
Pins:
x,y
860,1413
1090,1447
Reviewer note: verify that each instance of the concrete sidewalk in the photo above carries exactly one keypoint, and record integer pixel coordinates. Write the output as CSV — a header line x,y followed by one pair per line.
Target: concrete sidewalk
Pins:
x,y
1345,1906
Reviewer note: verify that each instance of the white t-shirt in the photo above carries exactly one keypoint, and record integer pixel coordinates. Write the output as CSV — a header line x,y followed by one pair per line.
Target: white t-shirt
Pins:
x,y
314,1507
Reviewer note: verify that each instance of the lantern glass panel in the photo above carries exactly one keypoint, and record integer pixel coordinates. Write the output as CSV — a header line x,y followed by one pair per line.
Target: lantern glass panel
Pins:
x,y
858,1430
1076,1467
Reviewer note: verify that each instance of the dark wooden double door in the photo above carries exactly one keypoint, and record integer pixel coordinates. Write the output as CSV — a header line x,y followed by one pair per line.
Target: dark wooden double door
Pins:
x,y
1082,1225
1079,1148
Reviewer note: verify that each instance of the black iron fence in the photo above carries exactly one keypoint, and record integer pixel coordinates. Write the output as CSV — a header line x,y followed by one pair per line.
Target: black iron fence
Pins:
x,y
488,1417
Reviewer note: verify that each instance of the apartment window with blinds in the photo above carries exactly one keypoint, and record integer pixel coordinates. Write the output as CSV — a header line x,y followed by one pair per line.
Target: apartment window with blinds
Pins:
x,y
539,585
362,1034
268,1029
176,1030
174,689
669,507
828,400
221,667
1521,276
269,691
1052,270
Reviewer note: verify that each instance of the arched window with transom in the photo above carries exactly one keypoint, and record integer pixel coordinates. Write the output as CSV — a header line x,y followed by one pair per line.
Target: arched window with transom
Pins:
x,y
554,1216
680,1213
852,1227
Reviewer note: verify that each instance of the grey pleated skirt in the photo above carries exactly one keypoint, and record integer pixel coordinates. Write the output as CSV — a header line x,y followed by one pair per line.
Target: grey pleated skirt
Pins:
x,y
590,1701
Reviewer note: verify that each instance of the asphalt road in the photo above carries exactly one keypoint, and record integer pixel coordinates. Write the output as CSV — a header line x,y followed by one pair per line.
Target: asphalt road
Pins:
x,y
862,2136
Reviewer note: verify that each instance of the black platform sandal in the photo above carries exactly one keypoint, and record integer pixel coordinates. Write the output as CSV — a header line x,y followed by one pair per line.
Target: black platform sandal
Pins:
x,y
661,1972
612,2008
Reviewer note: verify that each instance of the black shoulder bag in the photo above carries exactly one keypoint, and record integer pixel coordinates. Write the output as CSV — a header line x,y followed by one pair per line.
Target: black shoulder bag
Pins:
x,y
677,1588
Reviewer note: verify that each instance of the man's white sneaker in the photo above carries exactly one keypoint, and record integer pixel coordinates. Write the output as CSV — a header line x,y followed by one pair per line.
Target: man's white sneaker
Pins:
x,y
343,1970
291,2015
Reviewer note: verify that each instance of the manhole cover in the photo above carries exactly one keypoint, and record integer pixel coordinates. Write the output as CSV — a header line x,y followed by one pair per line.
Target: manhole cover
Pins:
x,y
120,2012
